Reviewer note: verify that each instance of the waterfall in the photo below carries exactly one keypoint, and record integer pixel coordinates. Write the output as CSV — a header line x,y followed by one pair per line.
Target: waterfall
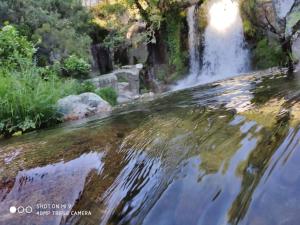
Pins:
x,y
193,42
224,53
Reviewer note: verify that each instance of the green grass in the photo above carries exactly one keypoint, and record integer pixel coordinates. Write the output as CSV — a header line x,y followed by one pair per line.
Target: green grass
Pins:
x,y
108,94
28,100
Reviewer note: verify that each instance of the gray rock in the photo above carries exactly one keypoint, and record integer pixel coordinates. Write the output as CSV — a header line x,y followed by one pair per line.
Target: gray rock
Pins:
x,y
75,107
149,95
107,80
293,20
138,52
125,95
130,74
296,50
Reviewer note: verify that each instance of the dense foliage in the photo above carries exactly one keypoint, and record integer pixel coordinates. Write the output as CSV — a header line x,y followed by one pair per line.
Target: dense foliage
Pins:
x,y
174,24
60,28
28,101
15,50
271,35
108,94
76,67
268,54
28,93
162,20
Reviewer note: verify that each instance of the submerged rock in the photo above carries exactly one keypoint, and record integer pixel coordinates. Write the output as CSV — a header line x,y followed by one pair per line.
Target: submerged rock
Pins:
x,y
75,107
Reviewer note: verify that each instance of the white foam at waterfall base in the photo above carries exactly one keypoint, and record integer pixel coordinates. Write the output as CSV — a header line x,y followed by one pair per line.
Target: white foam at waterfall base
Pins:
x,y
224,53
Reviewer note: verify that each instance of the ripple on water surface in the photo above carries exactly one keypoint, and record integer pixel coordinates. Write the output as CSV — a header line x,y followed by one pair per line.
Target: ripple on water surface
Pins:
x,y
226,153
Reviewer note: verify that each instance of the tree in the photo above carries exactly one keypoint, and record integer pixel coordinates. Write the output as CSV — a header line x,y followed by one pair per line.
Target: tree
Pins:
x,y
15,50
59,27
262,15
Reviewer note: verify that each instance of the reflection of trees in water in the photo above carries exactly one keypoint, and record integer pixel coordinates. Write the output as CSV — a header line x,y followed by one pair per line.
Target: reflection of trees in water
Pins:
x,y
273,87
156,149
255,168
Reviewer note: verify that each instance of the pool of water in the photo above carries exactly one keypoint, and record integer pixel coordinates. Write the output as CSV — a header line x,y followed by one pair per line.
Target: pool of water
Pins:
x,y
222,153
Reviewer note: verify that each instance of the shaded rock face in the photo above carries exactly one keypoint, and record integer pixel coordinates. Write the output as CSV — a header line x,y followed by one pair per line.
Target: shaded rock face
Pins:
x,y
293,20
283,7
130,74
129,82
75,107
102,62
284,15
121,56
296,50
138,52
125,81
125,95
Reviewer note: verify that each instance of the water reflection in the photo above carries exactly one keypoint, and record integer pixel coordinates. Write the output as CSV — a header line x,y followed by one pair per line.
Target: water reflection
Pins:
x,y
60,183
198,156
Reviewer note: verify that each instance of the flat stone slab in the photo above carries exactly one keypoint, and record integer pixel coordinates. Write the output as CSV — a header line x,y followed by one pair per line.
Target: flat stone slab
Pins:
x,y
107,80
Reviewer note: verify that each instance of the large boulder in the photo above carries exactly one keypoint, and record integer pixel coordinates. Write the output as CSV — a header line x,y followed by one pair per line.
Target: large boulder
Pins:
x,y
76,107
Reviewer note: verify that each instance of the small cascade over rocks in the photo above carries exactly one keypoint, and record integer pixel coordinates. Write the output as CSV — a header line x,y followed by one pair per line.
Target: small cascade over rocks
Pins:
x,y
225,54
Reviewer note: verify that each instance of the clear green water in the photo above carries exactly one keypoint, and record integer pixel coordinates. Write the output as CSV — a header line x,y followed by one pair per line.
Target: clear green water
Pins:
x,y
225,153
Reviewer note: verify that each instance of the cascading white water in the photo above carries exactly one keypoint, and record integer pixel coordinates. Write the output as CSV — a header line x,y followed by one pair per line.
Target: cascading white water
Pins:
x,y
224,53
194,58
193,42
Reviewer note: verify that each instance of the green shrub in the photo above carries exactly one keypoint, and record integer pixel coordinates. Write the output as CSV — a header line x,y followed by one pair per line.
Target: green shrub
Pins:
x,y
28,101
108,94
61,27
249,29
268,54
174,40
15,50
86,86
76,67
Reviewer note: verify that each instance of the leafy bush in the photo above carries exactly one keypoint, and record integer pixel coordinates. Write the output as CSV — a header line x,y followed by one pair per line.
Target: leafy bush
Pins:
x,y
76,67
15,50
60,26
28,101
86,86
59,42
28,94
268,54
108,94
249,29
